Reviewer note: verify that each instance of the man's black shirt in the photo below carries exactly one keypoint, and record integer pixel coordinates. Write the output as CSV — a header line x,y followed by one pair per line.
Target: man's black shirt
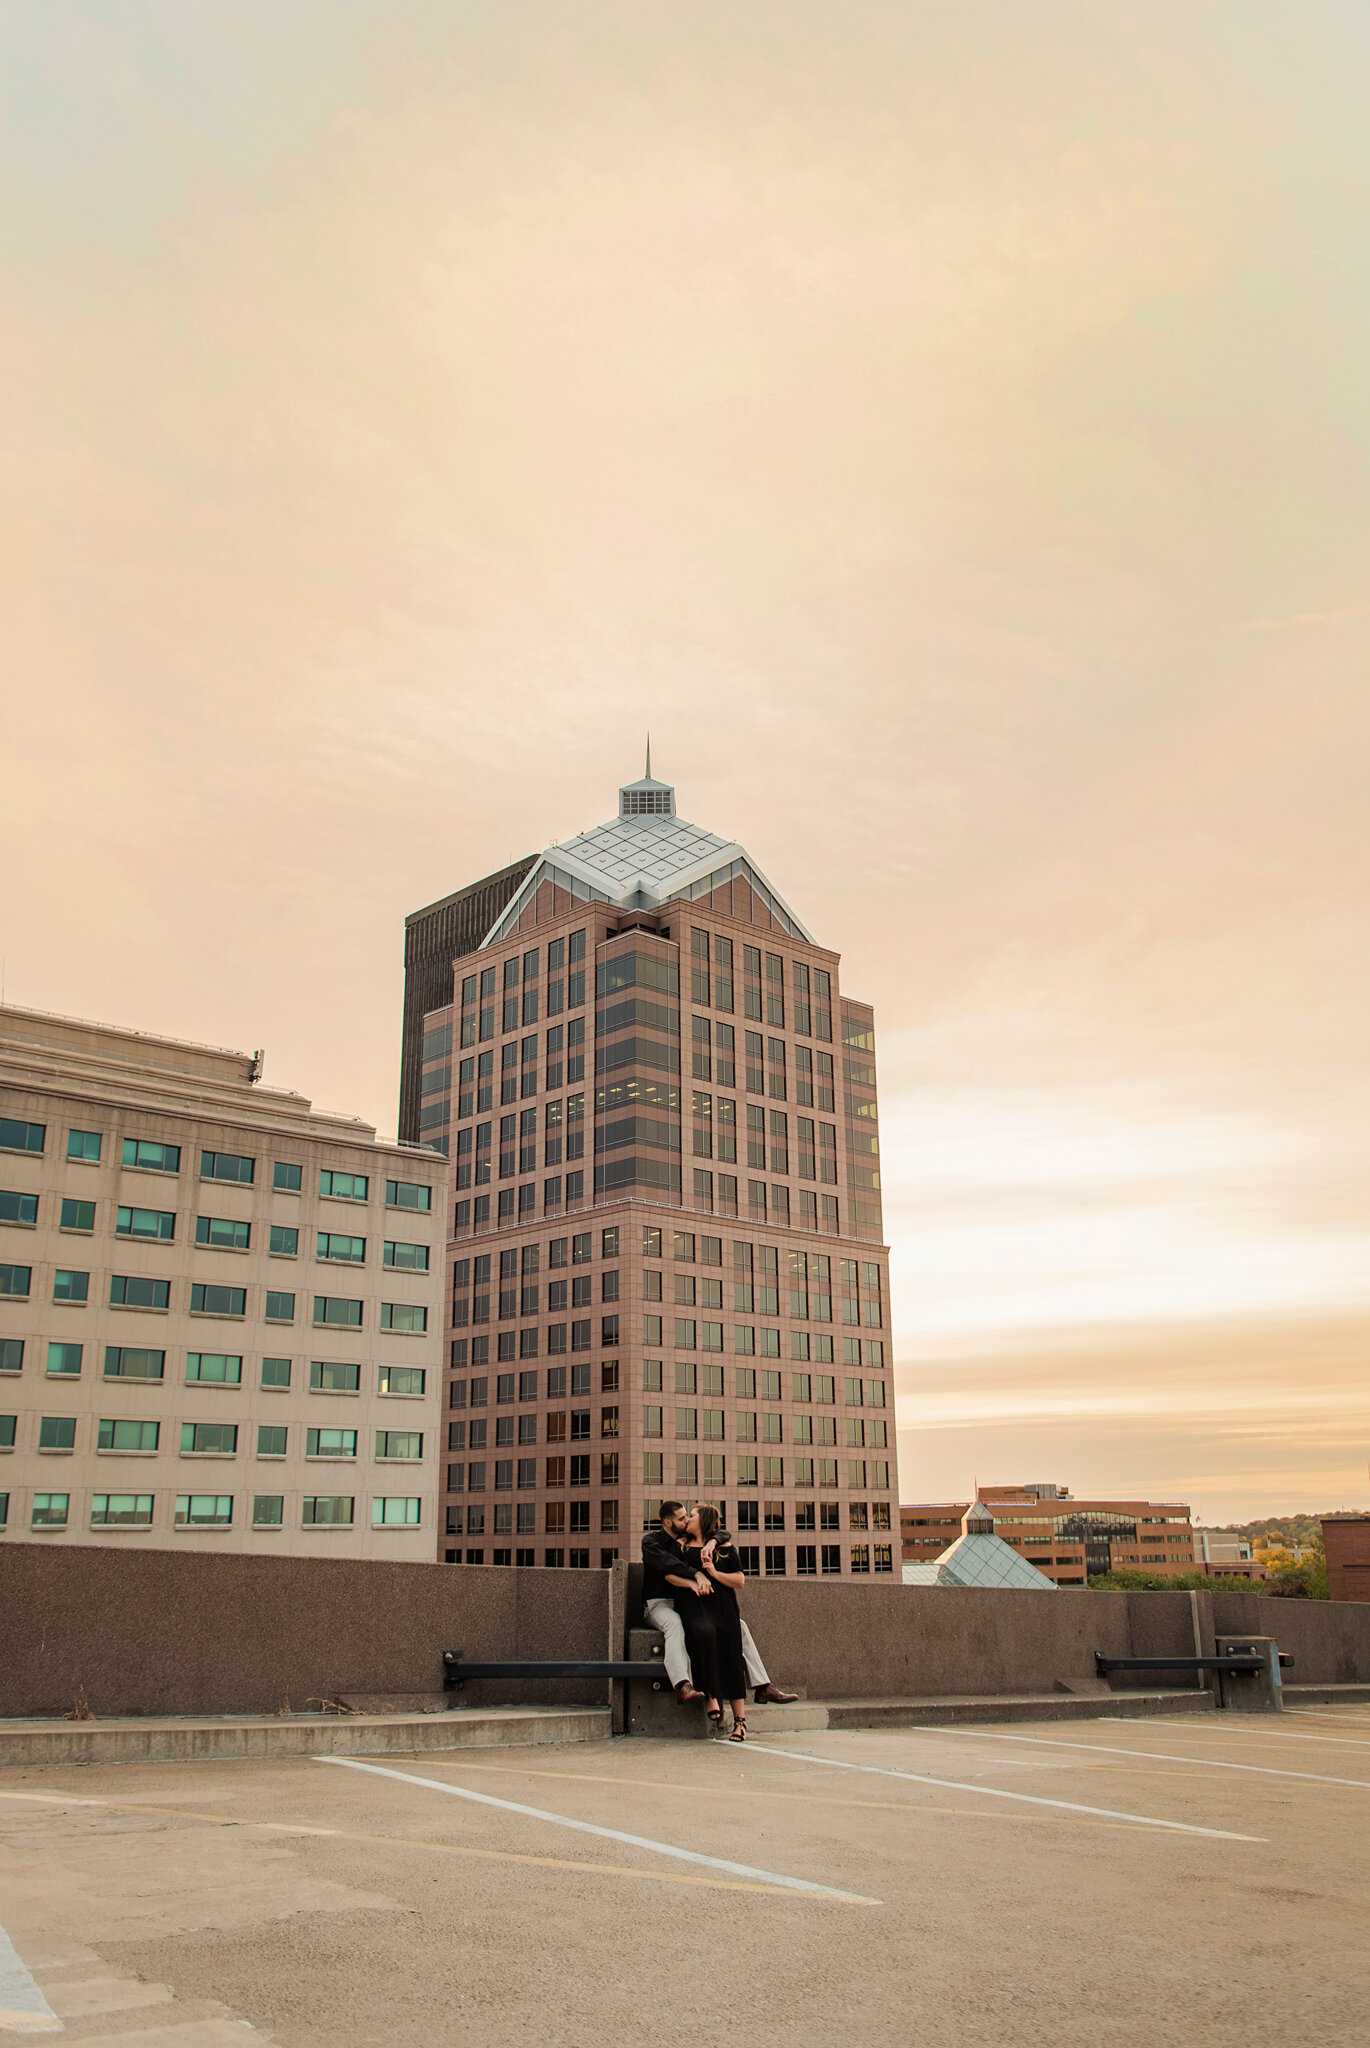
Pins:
x,y
660,1554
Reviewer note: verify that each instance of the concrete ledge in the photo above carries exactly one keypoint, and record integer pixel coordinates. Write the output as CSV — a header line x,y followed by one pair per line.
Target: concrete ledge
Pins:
x,y
967,1710
1325,1695
248,1737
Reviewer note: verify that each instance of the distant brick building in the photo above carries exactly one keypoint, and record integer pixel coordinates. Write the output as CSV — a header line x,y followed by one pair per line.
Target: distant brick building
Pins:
x,y
1066,1538
1347,1545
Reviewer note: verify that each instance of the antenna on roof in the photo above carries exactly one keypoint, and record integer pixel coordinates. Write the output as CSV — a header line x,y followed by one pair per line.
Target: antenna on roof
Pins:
x,y
649,757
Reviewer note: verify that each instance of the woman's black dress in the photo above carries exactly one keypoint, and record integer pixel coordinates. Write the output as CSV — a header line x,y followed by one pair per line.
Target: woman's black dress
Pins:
x,y
713,1630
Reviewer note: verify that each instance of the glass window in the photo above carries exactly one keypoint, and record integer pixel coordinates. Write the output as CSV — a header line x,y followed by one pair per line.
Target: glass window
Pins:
x,y
154,1223
344,1187
127,1290
268,1510
408,1194
399,1443
398,1315
275,1372
18,1208
204,1510
285,1241
114,1435
227,1166
271,1439
84,1145
330,1308
121,1510
151,1157
11,1354
57,1433
221,1232
218,1301
340,1248
21,1137
393,1511
330,1377
78,1215
64,1360
412,1258
15,1281
327,1511
287,1177
49,1510
403,1379
219,1439
214,1368
330,1443
70,1286
124,1363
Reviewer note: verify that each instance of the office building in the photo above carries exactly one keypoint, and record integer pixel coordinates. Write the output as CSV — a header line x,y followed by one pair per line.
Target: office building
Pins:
x,y
980,1557
1346,1545
1070,1540
220,1308
667,1274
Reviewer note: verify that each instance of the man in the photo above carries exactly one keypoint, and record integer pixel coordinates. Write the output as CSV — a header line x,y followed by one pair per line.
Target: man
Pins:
x,y
662,1559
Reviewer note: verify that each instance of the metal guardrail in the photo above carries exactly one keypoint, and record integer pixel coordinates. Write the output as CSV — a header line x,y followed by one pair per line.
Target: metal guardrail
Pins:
x,y
1232,1661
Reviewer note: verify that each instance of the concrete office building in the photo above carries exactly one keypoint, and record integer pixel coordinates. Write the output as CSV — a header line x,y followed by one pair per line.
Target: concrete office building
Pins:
x,y
667,1274
220,1319
1070,1540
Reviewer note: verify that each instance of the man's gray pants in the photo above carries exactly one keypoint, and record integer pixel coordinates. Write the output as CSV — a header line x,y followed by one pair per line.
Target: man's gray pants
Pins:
x,y
661,1614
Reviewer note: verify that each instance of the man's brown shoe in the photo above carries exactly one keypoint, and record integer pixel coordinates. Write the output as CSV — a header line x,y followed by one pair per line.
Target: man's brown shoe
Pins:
x,y
772,1696
685,1692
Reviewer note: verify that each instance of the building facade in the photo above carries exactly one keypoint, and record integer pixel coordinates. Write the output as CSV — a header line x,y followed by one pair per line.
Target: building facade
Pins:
x,y
1070,1540
220,1309
1346,1545
666,1260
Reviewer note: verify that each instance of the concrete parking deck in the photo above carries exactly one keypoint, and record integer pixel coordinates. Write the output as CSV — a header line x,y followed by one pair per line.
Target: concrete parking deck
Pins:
x,y
1158,1881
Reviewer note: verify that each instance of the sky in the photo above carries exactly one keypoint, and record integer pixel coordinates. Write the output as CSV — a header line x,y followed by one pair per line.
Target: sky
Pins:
x,y
944,426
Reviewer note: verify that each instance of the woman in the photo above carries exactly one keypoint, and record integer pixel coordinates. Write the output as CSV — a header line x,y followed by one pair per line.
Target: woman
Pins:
x,y
713,1621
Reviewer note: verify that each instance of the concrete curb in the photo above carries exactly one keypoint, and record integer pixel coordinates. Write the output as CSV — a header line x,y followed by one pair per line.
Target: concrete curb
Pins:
x,y
253,1737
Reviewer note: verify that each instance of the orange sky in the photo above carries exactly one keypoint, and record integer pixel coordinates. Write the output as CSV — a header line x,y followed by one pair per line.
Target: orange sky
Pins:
x,y
946,427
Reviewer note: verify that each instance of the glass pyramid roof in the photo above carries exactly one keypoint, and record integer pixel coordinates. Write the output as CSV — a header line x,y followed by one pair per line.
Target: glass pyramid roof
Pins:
x,y
989,1561
644,857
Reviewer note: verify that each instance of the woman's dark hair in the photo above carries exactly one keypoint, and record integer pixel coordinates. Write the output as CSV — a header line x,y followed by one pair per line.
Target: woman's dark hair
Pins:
x,y
709,1520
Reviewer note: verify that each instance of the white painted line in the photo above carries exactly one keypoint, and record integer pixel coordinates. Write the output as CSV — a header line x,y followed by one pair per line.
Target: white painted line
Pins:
x,y
23,2008
1140,1820
585,1827
1158,1756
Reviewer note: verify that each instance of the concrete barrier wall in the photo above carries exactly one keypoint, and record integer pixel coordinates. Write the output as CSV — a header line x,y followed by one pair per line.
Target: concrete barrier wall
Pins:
x,y
163,1632
160,1632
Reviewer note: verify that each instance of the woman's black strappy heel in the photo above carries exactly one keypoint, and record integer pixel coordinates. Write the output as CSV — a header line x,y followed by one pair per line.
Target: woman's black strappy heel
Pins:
x,y
739,1733
715,1714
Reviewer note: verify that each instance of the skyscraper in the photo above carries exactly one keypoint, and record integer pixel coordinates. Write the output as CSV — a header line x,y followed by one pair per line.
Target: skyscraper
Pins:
x,y
667,1274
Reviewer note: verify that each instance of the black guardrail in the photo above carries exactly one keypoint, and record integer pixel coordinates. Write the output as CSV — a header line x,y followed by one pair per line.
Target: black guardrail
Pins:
x,y
1232,1661
456,1669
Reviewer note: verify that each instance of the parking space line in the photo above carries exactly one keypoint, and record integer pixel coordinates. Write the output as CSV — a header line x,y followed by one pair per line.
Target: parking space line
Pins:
x,y
1238,1731
1142,1820
585,1827
23,2008
1200,1763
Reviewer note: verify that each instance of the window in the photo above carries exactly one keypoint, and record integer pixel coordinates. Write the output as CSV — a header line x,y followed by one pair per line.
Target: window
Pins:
x,y
285,1241
341,1314
396,1315
394,1511
218,1439
151,1157
113,1435
84,1145
227,1166
57,1433
78,1216
343,1250
268,1511
218,1231
15,1281
412,1258
12,1354
64,1360
120,1510
330,1443
326,1376
218,1301
407,1194
399,1443
20,1208
49,1510
286,1177
121,1363
344,1187
130,1291
21,1137
275,1372
402,1379
333,1510
216,1368
271,1439
70,1286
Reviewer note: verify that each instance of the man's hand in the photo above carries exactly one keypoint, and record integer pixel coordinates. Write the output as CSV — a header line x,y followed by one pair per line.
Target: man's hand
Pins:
x,y
702,1585
707,1553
